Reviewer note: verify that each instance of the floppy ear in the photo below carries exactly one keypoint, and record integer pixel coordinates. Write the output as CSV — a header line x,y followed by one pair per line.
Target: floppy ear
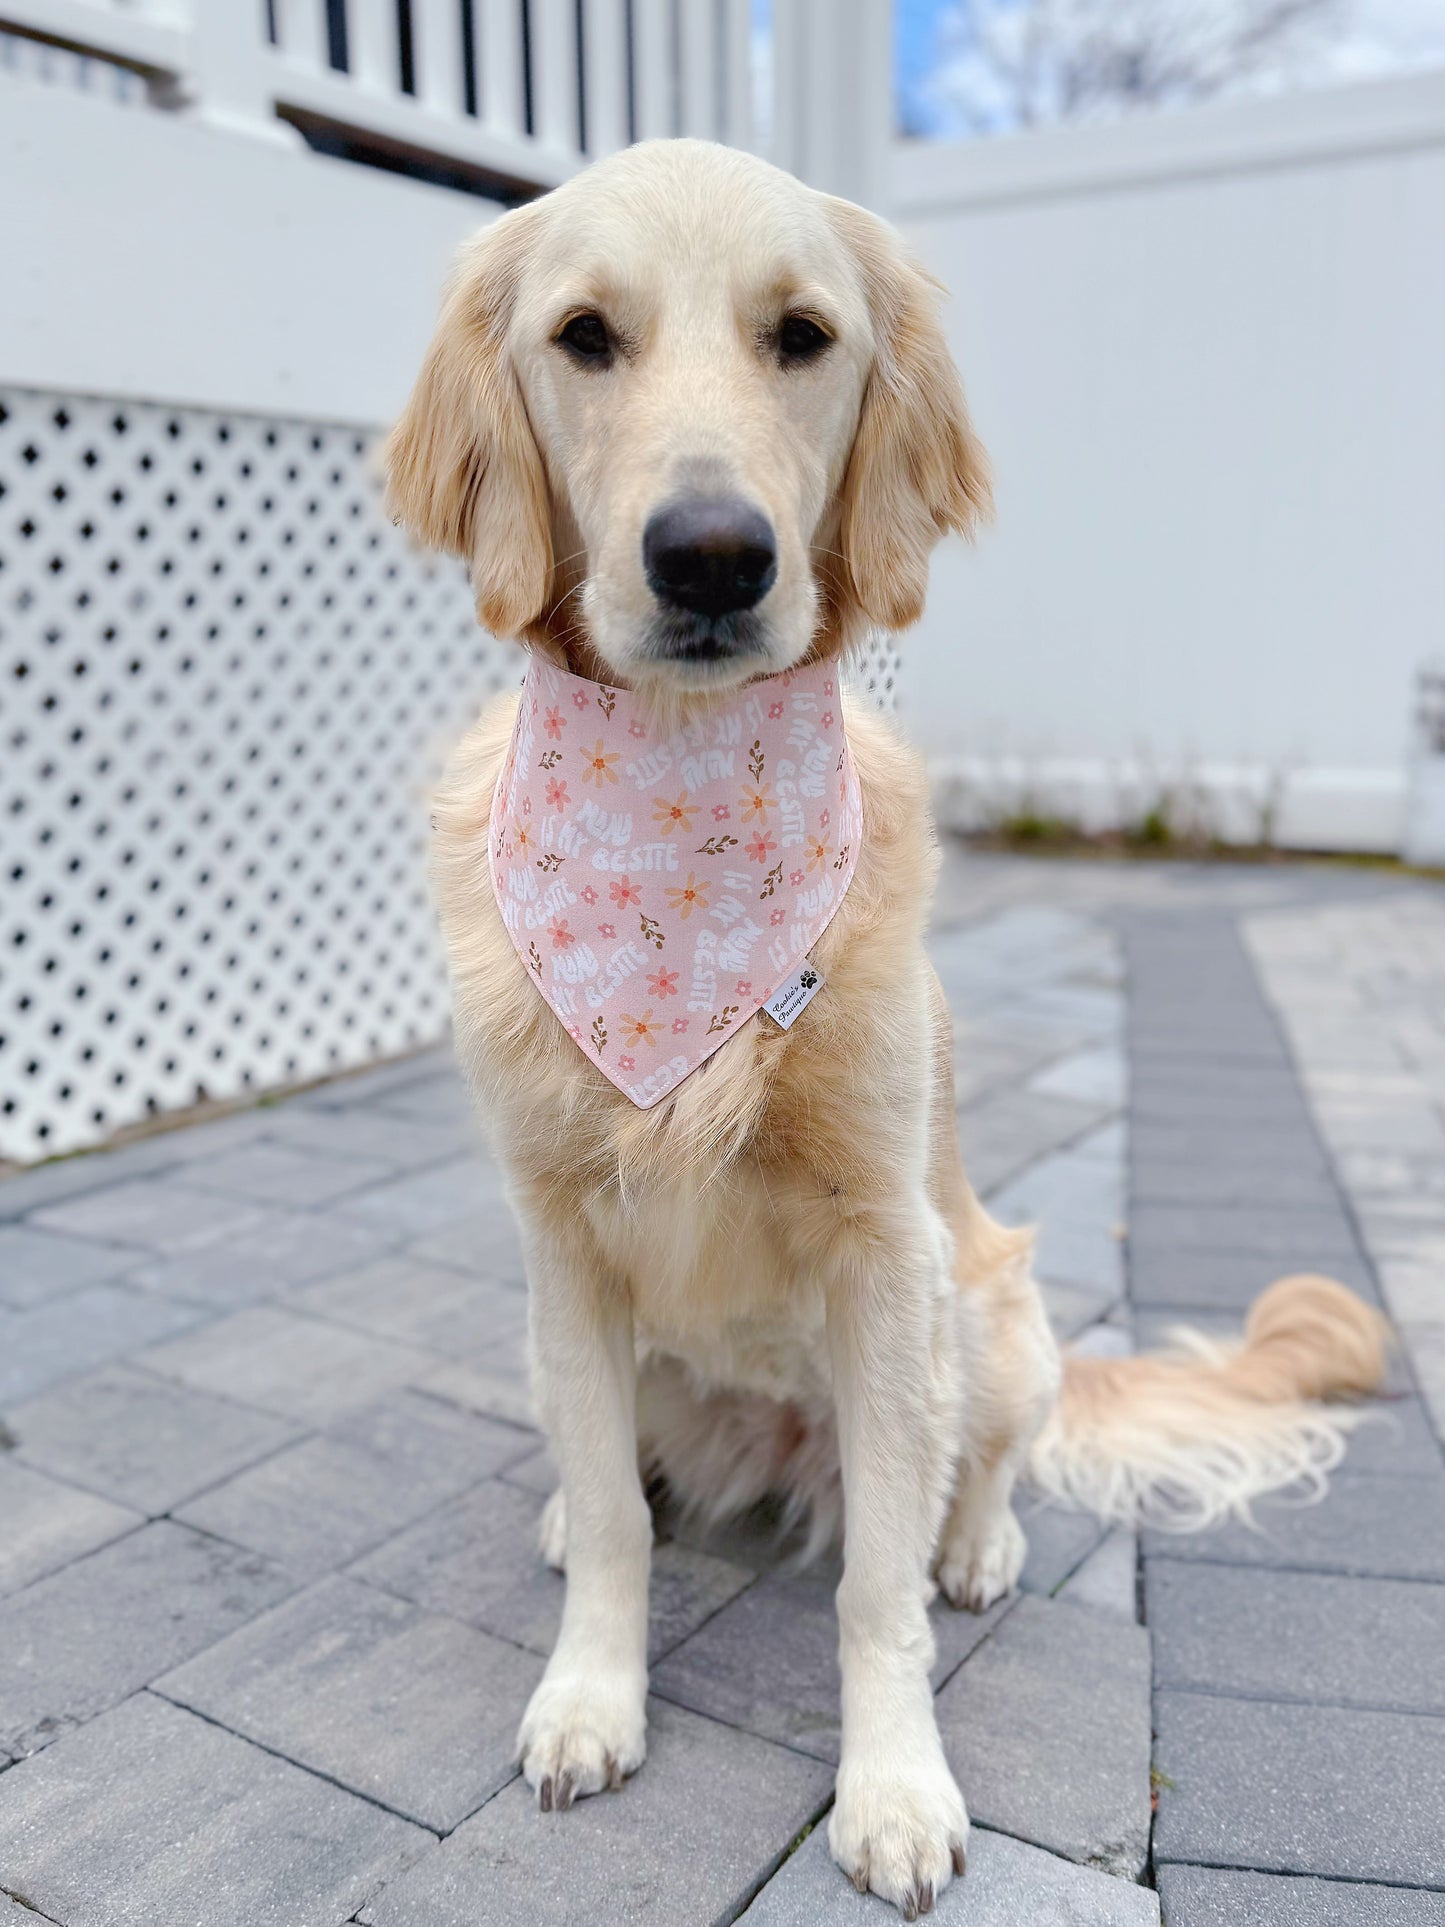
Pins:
x,y
917,469
464,472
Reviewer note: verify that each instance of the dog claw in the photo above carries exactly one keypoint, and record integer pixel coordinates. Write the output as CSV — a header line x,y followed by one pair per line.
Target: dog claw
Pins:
x,y
614,1774
564,1792
925,1899
960,1860
859,1875
910,1905
544,1794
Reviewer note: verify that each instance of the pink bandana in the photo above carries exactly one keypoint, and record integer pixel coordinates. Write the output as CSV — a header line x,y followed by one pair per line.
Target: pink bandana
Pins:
x,y
662,888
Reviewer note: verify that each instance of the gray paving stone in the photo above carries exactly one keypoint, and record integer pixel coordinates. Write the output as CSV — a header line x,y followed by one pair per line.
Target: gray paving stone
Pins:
x,y
477,1559
422,1202
768,1662
357,1133
286,1175
1271,1103
1316,1638
1397,1439
179,1145
1059,1542
281,1251
1385,1174
1108,1580
47,1184
149,1817
762,1538
1069,1185
1047,1728
84,1638
984,1062
1008,1884
484,1244
15,1913
162,1213
1224,1184
327,1499
1366,1527
38,1265
1230,1280
47,1343
434,1100
1408,1128
432,1305
139,1440
685,1840
1072,1308
1112,1337
305,1368
1005,1133
1213,1897
534,1473
1427,1356
496,1383
413,1710
1300,1789
47,1524
1095,1076
1300,1238
1106,1144
1227,1036
376,1081
1227,1145
1093,1011
1078,1209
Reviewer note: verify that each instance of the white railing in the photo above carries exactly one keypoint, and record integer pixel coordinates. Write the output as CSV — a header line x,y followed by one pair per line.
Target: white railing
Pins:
x,y
522,92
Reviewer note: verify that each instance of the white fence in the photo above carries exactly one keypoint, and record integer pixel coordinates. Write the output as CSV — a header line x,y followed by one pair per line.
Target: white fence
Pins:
x,y
1206,352
224,681
514,94
224,684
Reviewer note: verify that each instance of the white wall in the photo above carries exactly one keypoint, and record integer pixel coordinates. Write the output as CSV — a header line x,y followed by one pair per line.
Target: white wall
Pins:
x,y
1210,365
142,254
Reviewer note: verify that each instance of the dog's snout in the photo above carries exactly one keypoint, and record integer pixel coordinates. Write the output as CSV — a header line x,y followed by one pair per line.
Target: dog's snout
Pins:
x,y
710,555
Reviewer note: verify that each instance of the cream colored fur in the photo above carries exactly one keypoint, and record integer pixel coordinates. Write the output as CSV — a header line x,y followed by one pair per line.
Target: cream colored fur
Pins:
x,y
777,1281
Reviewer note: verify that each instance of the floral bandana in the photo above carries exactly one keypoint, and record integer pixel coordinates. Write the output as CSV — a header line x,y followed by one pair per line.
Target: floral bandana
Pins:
x,y
660,888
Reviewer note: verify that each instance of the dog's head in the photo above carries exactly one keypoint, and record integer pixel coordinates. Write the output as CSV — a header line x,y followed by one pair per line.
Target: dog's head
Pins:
x,y
689,422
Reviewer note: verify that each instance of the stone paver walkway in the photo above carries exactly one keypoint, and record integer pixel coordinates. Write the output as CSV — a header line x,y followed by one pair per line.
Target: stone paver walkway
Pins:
x,y
269,1604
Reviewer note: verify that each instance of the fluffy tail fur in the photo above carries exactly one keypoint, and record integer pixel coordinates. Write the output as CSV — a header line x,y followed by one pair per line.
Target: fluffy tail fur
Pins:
x,y
1183,1438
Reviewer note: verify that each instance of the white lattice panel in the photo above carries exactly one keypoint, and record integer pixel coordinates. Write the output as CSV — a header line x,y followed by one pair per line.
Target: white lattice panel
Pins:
x,y
877,667
224,686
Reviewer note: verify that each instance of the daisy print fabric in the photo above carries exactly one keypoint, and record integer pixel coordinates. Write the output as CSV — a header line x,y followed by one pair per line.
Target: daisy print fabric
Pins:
x,y
659,887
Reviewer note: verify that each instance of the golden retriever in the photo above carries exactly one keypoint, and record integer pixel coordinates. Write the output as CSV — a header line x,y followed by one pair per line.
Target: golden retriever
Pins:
x,y
777,1280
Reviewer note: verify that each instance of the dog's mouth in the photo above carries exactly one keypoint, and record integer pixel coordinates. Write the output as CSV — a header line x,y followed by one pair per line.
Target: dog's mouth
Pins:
x,y
701,641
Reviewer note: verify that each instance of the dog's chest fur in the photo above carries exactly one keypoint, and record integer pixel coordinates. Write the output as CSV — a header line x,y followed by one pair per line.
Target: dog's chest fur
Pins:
x,y
713,1283
712,1208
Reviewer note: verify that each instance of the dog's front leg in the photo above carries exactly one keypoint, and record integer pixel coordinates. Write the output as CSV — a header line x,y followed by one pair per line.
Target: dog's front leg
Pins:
x,y
898,1824
585,1727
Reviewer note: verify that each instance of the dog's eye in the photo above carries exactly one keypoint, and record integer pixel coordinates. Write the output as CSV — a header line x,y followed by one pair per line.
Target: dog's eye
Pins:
x,y
800,339
587,337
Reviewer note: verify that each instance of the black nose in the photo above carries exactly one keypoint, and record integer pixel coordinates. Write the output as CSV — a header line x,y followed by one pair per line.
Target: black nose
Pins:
x,y
709,555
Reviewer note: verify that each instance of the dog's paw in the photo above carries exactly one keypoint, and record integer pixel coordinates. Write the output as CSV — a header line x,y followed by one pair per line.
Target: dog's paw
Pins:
x,y
975,1572
552,1532
900,1835
581,1734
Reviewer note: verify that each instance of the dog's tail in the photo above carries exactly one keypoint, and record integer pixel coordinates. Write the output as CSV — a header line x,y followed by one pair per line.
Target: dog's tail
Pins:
x,y
1186,1437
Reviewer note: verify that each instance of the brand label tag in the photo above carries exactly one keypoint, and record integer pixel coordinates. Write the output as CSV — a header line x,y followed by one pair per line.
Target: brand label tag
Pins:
x,y
794,995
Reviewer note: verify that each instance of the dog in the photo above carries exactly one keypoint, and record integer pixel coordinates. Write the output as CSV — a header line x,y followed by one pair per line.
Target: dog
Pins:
x,y
694,427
